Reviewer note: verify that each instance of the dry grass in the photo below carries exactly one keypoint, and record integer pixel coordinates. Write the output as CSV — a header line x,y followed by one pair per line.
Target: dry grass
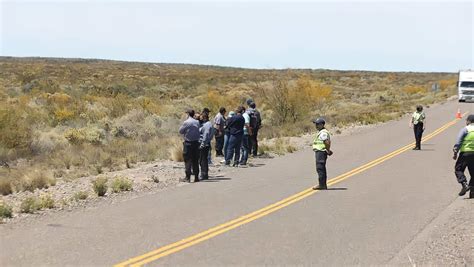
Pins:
x,y
176,151
279,146
81,195
120,184
90,116
37,179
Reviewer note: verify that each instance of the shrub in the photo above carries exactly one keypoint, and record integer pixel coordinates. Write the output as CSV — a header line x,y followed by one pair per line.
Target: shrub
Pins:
x,y
46,202
81,195
412,89
46,141
6,210
100,186
15,128
6,187
63,114
92,135
75,136
120,184
37,180
29,205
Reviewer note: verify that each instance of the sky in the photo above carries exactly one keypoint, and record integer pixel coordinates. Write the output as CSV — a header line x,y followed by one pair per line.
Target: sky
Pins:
x,y
345,35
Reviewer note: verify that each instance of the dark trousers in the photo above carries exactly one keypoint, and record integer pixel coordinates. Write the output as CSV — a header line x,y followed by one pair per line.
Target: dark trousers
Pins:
x,y
204,162
465,160
321,157
219,145
254,143
233,149
191,158
245,149
418,129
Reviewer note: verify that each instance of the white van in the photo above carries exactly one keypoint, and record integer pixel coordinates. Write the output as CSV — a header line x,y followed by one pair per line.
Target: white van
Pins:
x,y
466,85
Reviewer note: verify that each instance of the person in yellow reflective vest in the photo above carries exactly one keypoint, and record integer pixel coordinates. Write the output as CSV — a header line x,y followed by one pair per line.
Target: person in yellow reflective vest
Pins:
x,y
417,121
465,146
322,149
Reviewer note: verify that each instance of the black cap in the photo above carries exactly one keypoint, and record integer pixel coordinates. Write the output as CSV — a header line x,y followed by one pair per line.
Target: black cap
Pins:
x,y
319,121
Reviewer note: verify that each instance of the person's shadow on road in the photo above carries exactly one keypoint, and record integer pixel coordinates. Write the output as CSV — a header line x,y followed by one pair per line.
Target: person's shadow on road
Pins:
x,y
335,188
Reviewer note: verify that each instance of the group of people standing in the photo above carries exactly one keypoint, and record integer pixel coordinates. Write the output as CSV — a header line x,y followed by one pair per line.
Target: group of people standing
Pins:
x,y
236,136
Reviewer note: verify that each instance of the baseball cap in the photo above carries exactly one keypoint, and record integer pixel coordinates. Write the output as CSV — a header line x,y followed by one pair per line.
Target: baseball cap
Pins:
x,y
319,121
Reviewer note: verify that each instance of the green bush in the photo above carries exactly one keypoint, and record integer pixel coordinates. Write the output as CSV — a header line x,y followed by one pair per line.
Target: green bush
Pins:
x,y
120,184
5,210
46,202
30,205
100,186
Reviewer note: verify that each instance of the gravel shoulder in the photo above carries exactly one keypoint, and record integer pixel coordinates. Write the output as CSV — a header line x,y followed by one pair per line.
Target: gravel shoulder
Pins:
x,y
447,241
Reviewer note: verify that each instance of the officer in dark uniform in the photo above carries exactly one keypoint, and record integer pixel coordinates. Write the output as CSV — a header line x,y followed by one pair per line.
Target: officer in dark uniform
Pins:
x,y
465,146
322,149
418,123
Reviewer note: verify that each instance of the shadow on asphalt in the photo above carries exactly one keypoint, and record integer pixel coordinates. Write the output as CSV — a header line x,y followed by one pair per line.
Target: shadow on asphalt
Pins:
x,y
335,188
216,179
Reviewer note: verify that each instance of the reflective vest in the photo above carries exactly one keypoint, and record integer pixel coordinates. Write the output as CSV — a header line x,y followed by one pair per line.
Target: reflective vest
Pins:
x,y
468,142
318,144
418,117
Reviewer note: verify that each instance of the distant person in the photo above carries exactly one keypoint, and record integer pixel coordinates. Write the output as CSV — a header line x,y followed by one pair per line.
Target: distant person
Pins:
x,y
207,111
206,134
465,146
190,132
417,122
255,125
245,147
236,131
227,134
219,125
322,149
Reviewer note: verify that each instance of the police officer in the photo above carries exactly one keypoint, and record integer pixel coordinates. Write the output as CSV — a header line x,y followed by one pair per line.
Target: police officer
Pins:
x,y
322,149
417,122
465,147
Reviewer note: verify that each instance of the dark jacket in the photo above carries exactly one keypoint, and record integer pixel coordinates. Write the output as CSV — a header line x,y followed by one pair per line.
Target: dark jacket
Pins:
x,y
236,124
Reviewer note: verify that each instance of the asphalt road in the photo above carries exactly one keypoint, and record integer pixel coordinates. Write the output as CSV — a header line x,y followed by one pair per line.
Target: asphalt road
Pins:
x,y
366,219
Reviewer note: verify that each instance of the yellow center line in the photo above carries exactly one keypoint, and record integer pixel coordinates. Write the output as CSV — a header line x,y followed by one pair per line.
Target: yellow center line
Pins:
x,y
222,228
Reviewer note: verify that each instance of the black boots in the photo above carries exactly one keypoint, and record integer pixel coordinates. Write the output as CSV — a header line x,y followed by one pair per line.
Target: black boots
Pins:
x,y
320,187
464,189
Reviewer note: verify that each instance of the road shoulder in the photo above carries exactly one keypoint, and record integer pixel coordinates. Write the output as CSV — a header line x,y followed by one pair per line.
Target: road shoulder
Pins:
x,y
448,240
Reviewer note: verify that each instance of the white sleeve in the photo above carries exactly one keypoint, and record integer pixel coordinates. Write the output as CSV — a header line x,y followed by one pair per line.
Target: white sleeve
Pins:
x,y
323,136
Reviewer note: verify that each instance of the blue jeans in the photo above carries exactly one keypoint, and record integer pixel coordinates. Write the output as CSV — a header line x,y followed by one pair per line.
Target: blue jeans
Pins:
x,y
245,149
233,149
226,143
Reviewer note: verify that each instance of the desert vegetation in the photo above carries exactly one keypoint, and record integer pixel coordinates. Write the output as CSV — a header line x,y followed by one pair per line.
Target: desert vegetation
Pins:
x,y
64,118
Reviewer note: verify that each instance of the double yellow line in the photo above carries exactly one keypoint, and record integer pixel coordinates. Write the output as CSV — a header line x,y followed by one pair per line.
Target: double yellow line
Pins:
x,y
212,232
